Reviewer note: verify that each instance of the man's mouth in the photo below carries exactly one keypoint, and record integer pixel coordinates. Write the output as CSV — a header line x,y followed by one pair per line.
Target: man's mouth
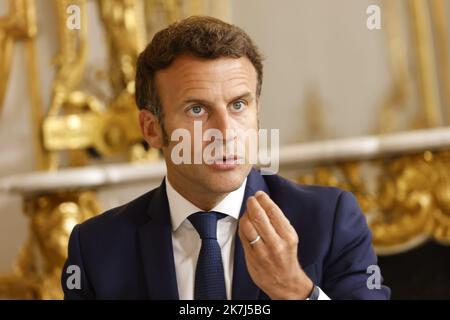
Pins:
x,y
229,159
226,162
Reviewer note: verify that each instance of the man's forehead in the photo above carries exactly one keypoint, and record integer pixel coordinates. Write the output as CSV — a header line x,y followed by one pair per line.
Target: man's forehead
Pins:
x,y
187,69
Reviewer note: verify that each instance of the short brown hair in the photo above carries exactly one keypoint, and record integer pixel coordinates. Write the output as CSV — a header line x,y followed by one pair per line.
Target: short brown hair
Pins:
x,y
201,36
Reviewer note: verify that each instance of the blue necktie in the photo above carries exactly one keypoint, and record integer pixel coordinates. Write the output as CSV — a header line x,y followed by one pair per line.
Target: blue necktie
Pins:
x,y
209,275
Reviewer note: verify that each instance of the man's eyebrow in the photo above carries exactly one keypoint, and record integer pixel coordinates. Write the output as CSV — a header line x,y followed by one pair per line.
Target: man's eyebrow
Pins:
x,y
247,95
196,100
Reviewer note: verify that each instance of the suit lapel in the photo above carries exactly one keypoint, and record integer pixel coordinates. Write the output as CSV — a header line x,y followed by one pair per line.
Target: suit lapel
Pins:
x,y
243,286
155,238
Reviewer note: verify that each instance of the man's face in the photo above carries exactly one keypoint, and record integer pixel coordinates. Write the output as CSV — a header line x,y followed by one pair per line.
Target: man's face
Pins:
x,y
220,94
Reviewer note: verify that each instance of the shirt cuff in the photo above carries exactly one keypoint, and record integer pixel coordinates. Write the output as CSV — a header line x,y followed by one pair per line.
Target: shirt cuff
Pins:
x,y
322,295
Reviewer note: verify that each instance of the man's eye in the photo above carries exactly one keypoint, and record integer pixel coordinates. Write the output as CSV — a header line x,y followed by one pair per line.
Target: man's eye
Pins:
x,y
196,111
238,105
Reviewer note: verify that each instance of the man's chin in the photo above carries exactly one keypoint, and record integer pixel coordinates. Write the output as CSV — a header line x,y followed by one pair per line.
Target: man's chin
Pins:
x,y
226,180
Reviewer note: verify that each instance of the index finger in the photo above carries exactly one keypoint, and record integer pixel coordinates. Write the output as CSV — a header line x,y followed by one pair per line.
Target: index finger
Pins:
x,y
279,221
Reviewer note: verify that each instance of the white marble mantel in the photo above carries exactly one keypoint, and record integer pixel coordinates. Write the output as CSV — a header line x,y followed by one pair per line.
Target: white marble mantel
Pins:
x,y
298,155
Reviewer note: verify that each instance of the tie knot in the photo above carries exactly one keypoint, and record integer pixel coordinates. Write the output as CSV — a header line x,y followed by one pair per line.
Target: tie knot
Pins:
x,y
205,222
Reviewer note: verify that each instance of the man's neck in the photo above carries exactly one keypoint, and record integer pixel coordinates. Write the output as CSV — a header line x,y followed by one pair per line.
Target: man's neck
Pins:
x,y
204,200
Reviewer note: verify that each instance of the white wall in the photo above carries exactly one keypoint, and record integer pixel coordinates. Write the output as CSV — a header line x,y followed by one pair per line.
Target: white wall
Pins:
x,y
322,44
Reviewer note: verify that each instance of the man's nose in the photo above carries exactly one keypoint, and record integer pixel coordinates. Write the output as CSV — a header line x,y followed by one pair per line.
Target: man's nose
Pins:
x,y
225,124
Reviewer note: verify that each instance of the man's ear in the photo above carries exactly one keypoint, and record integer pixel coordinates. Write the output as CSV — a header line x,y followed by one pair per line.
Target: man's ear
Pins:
x,y
151,129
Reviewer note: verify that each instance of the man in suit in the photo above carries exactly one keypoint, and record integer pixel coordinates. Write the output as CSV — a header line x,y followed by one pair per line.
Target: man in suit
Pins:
x,y
218,229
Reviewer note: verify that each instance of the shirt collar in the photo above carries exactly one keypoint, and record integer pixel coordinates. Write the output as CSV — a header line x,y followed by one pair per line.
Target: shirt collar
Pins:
x,y
181,208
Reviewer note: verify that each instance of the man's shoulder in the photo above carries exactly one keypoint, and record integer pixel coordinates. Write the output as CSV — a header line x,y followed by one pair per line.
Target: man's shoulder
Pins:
x,y
120,218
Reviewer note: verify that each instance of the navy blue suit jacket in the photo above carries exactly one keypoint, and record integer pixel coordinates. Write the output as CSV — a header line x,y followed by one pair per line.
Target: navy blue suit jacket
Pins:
x,y
126,252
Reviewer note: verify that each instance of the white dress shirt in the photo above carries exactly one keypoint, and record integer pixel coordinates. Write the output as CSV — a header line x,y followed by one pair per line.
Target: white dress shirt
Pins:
x,y
186,240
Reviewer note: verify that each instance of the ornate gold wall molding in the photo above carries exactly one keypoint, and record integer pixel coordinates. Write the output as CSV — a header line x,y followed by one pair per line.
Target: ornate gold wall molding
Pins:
x,y
426,65
70,61
78,121
438,10
37,273
406,198
417,35
121,20
18,24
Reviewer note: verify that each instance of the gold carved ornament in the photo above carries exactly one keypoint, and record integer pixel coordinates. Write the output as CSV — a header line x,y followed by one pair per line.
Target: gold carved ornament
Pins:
x,y
409,202
37,271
